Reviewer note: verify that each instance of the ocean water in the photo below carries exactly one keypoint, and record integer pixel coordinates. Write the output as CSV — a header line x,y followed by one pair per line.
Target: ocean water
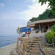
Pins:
x,y
7,40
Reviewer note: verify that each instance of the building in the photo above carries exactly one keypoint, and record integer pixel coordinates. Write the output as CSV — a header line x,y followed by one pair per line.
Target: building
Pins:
x,y
42,25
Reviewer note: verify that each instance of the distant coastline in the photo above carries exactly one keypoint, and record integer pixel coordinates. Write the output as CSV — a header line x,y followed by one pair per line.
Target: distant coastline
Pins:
x,y
8,45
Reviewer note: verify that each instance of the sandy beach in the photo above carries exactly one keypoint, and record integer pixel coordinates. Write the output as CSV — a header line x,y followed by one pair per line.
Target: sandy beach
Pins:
x,y
7,49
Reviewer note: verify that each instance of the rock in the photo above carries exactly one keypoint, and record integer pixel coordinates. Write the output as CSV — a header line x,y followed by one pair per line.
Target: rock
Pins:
x,y
13,52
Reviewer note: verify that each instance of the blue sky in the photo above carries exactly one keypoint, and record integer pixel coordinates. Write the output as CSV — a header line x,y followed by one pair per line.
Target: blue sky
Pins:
x,y
16,13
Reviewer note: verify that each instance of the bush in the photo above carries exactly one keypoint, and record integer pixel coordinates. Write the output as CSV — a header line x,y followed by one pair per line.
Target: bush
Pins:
x,y
49,36
53,28
33,19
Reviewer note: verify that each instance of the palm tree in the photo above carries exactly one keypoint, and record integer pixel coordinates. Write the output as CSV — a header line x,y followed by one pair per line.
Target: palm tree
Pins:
x,y
18,30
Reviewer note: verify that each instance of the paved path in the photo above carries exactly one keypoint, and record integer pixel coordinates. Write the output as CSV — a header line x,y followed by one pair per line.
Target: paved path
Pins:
x,y
7,49
49,51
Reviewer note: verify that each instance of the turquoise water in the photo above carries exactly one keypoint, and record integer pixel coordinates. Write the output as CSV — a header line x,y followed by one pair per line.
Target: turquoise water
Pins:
x,y
7,40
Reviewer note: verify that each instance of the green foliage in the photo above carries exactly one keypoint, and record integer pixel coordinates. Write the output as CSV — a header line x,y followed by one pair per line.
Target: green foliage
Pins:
x,y
51,4
18,30
50,36
47,14
53,28
33,19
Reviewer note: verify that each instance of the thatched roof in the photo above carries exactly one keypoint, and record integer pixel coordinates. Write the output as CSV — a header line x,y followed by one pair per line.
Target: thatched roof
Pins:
x,y
41,21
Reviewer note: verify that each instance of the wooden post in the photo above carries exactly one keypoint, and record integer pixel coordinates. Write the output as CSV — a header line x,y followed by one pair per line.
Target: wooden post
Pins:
x,y
28,34
21,34
39,26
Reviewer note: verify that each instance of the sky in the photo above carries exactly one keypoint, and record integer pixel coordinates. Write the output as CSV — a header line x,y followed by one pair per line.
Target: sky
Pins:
x,y
16,13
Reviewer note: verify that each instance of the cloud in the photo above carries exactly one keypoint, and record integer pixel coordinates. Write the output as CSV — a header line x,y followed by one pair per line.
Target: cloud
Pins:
x,y
35,10
34,0
2,4
15,16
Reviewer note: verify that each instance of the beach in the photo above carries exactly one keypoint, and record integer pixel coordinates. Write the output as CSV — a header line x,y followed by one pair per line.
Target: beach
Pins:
x,y
7,49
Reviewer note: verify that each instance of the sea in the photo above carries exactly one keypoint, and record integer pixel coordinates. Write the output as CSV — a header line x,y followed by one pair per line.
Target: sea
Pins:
x,y
7,40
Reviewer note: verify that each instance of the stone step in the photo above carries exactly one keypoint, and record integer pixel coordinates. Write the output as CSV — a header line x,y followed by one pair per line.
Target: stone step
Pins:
x,y
32,51
37,37
37,40
33,45
33,54
33,48
32,42
27,41
31,38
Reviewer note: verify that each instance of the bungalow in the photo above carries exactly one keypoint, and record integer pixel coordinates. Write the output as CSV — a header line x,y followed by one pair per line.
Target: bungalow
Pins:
x,y
42,25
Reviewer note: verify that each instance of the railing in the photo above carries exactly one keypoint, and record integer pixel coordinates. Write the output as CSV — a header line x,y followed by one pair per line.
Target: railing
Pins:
x,y
41,50
50,45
